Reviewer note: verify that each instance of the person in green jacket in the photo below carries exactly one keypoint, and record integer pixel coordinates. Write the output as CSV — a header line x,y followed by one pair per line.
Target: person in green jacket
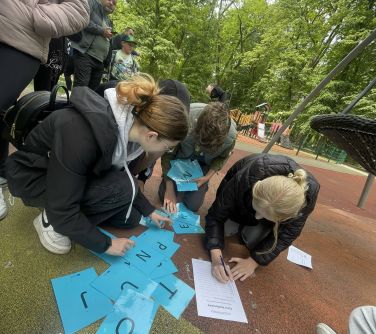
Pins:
x,y
211,139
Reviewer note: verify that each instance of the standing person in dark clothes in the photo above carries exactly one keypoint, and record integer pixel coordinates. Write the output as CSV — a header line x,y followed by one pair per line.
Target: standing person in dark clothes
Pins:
x,y
267,198
93,48
69,67
48,74
26,29
81,176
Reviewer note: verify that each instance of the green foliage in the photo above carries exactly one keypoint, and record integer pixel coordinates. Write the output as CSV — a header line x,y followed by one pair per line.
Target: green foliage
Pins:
x,y
260,51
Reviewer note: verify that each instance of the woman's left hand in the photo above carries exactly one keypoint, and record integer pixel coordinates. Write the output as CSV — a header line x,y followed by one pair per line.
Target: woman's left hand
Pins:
x,y
243,268
159,220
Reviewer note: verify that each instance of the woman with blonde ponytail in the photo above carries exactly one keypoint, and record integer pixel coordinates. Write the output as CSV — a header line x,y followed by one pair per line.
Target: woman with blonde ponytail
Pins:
x,y
267,198
75,163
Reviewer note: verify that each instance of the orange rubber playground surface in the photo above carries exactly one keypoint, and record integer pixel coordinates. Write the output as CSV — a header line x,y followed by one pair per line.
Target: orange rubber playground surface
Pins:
x,y
283,298
287,298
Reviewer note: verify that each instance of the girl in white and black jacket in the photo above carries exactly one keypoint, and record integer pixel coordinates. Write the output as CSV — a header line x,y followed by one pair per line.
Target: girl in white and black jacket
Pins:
x,y
268,198
75,163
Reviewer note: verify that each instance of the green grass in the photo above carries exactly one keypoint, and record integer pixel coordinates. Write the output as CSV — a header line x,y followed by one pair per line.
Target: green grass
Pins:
x,y
27,301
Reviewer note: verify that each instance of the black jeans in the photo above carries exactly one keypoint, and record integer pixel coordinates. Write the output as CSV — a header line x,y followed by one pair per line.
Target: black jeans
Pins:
x,y
192,199
88,71
106,200
68,72
48,74
17,69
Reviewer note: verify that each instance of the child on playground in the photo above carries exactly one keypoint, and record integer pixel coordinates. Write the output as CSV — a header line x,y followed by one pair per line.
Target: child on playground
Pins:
x,y
267,199
210,141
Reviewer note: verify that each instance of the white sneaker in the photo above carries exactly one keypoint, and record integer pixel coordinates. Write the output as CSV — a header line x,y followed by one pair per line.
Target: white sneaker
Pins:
x,y
3,206
54,242
324,329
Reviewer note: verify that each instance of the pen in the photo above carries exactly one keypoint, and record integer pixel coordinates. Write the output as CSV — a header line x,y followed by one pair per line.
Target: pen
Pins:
x,y
223,264
224,267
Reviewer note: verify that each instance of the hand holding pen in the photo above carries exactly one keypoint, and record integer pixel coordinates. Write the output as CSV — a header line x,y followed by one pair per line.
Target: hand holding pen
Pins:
x,y
220,270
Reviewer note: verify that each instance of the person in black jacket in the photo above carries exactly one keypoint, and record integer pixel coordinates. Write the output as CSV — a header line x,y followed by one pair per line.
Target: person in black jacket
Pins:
x,y
75,163
268,198
216,93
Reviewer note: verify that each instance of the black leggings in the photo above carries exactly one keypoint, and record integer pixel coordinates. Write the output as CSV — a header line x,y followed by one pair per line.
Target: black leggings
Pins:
x,y
17,69
252,236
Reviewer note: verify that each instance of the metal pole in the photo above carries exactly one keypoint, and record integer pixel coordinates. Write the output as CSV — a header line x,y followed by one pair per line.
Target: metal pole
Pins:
x,y
366,189
302,143
356,100
345,61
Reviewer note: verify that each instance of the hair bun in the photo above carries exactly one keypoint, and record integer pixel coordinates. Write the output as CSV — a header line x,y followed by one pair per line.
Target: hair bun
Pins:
x,y
300,176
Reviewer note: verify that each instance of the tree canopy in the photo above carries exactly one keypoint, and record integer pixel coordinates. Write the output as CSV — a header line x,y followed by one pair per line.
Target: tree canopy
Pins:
x,y
258,50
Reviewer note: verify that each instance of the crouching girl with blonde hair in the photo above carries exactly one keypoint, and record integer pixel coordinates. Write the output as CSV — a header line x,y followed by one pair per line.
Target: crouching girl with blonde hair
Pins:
x,y
267,198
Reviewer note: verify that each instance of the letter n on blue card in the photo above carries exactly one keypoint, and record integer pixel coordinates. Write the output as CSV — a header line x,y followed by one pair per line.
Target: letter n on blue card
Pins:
x,y
79,304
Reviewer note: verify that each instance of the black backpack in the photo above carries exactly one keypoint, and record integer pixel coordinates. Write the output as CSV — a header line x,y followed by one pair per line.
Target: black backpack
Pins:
x,y
29,111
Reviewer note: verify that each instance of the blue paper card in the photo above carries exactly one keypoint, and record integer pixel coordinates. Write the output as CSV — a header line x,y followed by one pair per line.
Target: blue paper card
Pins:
x,y
186,215
173,294
121,276
167,267
143,257
185,170
181,227
110,259
167,248
107,233
157,234
79,304
146,221
186,186
132,313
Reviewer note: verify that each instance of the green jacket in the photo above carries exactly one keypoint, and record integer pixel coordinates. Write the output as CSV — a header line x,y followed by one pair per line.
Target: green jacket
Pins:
x,y
95,27
186,148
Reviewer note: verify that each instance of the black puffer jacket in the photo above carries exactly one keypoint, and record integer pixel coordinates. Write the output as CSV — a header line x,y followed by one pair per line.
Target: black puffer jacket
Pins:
x,y
234,201
79,142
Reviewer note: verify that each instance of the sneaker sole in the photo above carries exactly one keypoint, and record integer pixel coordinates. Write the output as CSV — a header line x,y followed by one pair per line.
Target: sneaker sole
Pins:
x,y
46,245
325,329
4,215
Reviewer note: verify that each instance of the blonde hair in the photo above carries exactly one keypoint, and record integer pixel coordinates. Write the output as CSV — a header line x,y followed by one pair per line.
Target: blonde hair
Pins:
x,y
163,114
282,198
212,126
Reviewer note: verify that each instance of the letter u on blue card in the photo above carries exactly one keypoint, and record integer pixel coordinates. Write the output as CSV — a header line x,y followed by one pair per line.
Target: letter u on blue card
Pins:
x,y
79,304
173,294
132,313
121,276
